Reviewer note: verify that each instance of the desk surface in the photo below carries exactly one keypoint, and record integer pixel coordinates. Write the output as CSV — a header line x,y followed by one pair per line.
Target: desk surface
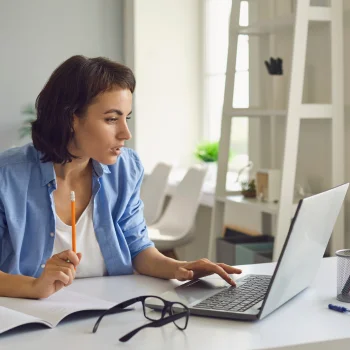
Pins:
x,y
303,323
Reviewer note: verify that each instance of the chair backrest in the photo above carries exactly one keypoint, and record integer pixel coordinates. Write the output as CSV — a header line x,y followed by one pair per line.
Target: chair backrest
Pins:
x,y
153,192
180,214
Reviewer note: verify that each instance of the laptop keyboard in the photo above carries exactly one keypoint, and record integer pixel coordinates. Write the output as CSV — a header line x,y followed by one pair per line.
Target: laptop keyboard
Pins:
x,y
239,298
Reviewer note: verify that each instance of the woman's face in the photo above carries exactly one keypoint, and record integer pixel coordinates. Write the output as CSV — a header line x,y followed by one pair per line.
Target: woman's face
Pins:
x,y
102,131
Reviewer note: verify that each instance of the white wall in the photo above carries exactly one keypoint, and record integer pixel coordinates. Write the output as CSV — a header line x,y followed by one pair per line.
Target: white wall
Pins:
x,y
167,59
37,35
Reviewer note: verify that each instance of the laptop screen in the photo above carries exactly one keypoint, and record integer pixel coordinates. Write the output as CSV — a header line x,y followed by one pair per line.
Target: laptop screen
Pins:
x,y
304,247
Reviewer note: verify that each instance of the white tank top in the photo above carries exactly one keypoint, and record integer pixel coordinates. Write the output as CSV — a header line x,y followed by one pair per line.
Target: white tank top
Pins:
x,y
92,263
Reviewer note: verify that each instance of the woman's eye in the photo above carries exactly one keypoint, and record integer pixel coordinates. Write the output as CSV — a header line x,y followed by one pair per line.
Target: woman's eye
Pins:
x,y
111,120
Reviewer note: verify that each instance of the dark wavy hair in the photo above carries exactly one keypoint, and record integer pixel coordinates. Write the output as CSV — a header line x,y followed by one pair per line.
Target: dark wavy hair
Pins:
x,y
71,88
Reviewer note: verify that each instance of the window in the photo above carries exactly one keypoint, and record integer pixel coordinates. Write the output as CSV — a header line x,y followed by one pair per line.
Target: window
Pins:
x,y
217,15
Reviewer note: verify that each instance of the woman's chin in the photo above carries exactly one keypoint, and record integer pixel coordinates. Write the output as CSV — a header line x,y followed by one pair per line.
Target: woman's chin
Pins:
x,y
110,160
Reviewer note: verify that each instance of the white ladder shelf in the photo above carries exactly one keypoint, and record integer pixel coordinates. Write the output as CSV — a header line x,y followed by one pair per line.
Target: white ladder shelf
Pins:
x,y
295,112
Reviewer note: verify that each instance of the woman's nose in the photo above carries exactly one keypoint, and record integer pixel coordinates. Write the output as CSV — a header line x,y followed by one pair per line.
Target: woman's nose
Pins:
x,y
124,133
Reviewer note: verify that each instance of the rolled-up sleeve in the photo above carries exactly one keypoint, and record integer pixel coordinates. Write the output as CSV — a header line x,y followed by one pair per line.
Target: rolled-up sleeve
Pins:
x,y
133,223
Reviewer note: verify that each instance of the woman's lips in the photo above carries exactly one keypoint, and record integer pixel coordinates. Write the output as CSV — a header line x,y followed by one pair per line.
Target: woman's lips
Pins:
x,y
116,151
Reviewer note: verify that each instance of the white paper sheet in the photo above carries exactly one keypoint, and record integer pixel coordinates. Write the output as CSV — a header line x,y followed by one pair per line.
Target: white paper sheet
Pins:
x,y
52,309
10,319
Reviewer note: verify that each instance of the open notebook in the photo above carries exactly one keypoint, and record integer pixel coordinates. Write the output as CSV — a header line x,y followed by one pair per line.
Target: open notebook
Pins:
x,y
15,312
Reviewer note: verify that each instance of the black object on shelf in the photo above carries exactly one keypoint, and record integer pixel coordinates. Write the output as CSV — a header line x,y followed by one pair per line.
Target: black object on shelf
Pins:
x,y
274,66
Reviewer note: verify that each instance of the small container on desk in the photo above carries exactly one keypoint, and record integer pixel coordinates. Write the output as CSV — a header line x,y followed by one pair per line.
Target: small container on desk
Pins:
x,y
343,275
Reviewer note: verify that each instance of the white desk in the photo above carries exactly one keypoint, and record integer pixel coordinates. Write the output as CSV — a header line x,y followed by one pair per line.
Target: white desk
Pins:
x,y
303,323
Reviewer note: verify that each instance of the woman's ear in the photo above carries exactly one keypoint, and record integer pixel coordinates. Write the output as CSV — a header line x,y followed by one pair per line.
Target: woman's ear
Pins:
x,y
75,121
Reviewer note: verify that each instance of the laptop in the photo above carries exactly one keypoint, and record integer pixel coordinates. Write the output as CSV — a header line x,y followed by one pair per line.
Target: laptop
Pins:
x,y
256,296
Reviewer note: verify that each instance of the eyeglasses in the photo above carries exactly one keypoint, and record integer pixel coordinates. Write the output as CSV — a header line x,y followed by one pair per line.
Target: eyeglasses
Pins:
x,y
178,313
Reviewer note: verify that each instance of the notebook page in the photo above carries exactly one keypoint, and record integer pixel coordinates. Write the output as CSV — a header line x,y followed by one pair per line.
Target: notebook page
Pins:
x,y
11,319
56,307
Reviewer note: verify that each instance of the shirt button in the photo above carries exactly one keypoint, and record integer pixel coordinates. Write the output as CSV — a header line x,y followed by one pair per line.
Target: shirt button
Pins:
x,y
52,234
42,266
49,185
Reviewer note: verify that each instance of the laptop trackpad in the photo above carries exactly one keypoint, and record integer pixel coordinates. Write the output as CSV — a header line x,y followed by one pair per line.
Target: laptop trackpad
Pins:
x,y
194,291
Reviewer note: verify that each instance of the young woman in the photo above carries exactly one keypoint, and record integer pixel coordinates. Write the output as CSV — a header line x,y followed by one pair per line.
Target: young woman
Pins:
x,y
78,144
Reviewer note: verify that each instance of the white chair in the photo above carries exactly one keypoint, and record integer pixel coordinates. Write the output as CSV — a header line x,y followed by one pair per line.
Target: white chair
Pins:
x,y
153,192
175,227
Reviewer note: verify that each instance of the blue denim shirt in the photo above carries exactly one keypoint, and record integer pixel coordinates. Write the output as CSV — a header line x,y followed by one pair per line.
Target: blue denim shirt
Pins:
x,y
27,211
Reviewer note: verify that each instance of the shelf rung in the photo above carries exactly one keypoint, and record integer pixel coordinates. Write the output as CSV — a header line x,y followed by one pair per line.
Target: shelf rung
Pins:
x,y
267,26
306,111
254,204
316,14
254,112
319,13
315,111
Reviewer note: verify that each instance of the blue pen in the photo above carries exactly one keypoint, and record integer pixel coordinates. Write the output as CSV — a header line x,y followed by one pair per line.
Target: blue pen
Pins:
x,y
338,308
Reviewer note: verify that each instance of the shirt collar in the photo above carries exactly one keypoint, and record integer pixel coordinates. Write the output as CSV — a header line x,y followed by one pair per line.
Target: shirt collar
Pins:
x,y
48,171
100,168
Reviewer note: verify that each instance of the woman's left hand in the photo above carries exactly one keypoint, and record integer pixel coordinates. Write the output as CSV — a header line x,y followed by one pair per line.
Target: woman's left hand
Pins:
x,y
204,267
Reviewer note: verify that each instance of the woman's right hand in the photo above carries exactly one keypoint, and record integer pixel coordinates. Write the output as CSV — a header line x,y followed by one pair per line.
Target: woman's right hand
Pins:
x,y
57,273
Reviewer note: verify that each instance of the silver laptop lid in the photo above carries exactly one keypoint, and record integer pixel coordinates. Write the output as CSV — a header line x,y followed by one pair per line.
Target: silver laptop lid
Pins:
x,y
304,247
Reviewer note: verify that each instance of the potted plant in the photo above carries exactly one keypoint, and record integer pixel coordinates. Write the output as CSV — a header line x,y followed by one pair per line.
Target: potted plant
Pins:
x,y
26,127
249,188
208,154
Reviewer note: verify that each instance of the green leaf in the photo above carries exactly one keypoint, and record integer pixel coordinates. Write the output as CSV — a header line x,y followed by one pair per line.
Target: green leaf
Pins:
x,y
248,185
26,127
208,151
25,131
29,109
